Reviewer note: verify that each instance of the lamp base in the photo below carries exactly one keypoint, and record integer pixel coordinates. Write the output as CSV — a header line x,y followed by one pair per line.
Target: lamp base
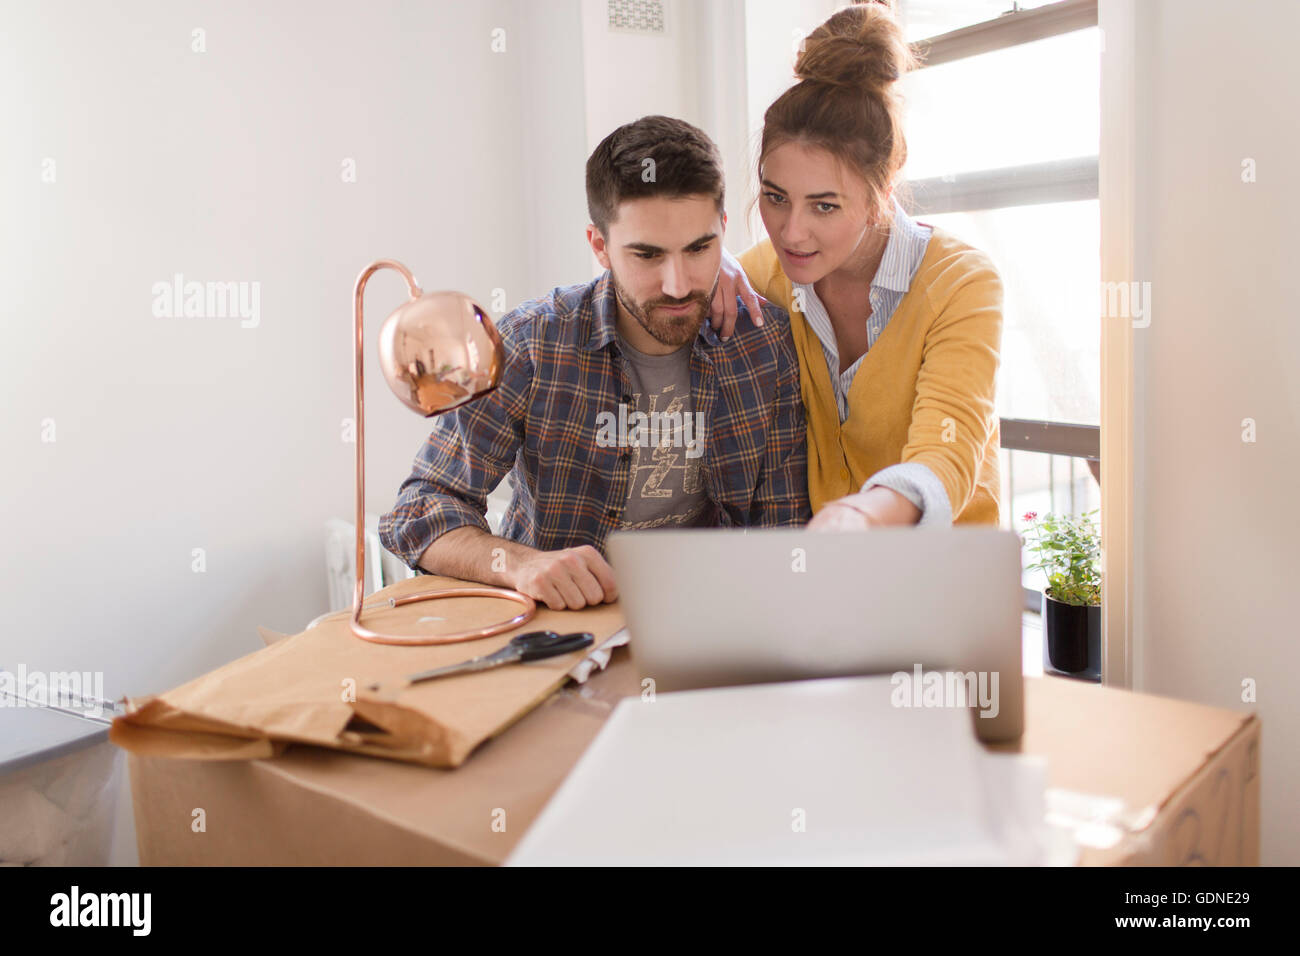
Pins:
x,y
530,608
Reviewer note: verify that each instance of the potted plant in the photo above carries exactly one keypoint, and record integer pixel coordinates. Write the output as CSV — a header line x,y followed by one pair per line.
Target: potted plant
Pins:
x,y
1068,549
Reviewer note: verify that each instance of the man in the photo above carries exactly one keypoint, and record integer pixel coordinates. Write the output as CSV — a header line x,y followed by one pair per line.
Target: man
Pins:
x,y
618,406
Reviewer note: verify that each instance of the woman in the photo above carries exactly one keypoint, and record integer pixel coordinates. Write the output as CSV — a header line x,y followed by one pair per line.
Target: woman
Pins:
x,y
898,325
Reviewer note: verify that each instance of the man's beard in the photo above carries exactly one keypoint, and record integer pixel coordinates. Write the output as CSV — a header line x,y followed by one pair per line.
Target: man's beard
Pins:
x,y
673,330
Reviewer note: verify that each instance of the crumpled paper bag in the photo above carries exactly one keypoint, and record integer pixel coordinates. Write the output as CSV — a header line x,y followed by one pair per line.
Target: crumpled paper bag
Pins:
x,y
311,687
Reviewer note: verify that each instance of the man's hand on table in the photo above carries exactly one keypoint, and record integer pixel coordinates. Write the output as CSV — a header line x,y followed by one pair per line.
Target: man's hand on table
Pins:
x,y
573,578
568,579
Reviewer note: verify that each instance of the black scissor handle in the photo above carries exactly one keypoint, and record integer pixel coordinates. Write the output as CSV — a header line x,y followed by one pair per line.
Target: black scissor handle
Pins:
x,y
536,645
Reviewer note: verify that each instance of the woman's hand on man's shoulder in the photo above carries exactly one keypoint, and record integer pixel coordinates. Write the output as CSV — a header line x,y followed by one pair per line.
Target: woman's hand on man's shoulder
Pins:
x,y
733,285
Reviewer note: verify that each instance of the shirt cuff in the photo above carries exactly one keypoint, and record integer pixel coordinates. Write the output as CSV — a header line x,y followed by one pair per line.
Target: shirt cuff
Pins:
x,y
409,529
919,485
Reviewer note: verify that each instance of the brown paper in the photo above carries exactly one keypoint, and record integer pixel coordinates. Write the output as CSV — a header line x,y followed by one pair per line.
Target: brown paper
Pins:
x,y
312,687
269,636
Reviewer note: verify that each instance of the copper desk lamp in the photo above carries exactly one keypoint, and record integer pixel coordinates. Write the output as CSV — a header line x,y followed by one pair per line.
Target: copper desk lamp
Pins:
x,y
438,350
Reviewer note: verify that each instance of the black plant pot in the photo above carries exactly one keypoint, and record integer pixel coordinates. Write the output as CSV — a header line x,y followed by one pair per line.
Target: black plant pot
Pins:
x,y
1071,639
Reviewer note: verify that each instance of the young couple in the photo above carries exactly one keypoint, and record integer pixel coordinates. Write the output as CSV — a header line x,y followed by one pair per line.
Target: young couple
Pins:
x,y
665,394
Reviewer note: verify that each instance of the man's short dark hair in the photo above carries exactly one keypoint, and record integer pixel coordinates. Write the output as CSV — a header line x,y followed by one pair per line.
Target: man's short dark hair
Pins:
x,y
654,156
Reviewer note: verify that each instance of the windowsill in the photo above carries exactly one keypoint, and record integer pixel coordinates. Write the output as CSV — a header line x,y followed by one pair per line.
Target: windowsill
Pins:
x,y
1032,643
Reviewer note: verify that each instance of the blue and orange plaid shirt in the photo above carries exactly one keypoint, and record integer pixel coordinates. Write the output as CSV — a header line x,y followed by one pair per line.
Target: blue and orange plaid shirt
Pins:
x,y
563,369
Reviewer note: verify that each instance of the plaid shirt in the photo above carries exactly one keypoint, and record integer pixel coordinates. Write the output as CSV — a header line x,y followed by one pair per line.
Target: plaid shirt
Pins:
x,y
563,368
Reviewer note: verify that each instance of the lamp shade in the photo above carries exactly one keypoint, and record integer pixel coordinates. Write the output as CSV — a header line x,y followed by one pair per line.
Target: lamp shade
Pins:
x,y
440,350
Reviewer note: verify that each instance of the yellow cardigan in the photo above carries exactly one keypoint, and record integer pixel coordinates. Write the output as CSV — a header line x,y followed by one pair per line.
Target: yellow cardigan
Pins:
x,y
924,392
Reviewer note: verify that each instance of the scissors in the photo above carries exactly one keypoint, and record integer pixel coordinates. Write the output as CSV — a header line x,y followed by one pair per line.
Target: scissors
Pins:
x,y
533,646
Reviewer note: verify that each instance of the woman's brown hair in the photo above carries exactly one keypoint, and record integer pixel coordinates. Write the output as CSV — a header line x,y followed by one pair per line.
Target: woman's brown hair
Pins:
x,y
847,100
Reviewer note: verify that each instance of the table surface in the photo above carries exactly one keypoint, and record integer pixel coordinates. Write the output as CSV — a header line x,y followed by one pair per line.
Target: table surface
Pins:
x,y
34,734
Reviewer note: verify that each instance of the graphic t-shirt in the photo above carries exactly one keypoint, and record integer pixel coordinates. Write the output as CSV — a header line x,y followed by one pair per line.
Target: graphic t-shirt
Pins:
x,y
666,441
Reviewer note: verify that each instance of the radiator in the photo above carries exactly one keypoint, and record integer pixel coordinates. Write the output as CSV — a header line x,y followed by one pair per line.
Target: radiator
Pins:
x,y
382,566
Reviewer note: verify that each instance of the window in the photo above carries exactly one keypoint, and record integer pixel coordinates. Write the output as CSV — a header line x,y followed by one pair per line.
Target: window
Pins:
x,y
1003,121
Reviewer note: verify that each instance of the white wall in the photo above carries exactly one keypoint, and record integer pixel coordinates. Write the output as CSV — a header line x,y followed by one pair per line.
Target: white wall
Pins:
x,y
1216,527
774,31
174,434
718,66
630,75
550,87
171,433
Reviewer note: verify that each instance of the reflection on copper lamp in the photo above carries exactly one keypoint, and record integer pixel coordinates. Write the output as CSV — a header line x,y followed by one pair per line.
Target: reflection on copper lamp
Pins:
x,y
439,350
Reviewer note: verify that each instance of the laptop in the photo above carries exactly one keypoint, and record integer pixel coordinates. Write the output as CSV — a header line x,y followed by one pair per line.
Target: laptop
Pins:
x,y
937,609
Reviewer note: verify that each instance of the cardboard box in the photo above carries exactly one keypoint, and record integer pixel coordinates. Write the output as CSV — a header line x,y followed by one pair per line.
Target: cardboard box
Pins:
x,y
1175,783
1165,781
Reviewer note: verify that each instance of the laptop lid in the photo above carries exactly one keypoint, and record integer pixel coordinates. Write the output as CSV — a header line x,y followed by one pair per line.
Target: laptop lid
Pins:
x,y
712,607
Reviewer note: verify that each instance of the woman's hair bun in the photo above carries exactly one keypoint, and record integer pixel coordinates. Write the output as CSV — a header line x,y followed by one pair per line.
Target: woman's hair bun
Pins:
x,y
860,47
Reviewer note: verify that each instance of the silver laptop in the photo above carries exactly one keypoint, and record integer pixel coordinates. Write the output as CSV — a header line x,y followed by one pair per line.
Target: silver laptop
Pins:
x,y
711,608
